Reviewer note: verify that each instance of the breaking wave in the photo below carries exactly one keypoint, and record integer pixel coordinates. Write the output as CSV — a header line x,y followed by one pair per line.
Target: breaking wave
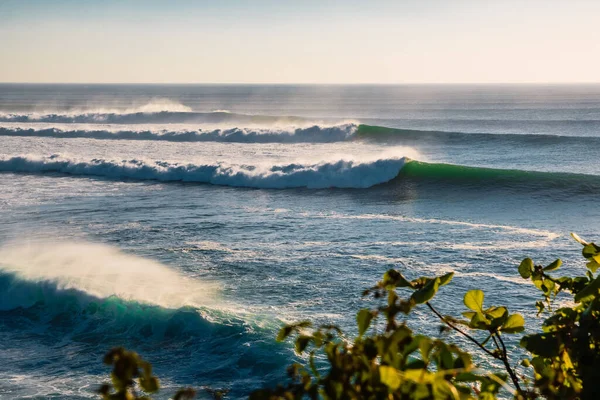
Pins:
x,y
98,297
359,174
337,174
223,126
313,134
150,115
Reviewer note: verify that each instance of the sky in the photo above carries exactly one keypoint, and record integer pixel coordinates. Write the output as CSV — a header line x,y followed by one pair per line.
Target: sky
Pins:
x,y
309,41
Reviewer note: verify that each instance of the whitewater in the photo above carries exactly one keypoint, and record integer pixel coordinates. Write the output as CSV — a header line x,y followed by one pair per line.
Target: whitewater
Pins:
x,y
189,222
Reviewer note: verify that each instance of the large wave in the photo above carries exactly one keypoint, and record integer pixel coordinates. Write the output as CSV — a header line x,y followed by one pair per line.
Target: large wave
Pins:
x,y
563,183
239,128
313,134
334,174
98,297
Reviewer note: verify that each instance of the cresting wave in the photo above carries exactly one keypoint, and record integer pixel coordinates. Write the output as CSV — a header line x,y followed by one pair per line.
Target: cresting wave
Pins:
x,y
312,134
99,297
322,175
151,117
567,183
336,174
241,128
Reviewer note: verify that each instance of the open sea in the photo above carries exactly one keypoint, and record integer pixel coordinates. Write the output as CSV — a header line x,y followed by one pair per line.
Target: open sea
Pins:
x,y
188,222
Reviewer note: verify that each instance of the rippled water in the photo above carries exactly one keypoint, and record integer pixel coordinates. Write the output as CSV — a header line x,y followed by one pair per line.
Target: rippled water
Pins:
x,y
188,222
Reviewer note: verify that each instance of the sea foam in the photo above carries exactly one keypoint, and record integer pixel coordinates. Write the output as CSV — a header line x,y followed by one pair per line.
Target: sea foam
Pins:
x,y
325,174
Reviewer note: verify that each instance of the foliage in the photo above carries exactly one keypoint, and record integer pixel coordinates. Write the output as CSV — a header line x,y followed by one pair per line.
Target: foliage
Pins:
x,y
130,372
387,360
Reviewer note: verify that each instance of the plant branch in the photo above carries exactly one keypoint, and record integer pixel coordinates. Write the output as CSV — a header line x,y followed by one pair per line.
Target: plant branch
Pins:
x,y
457,329
504,359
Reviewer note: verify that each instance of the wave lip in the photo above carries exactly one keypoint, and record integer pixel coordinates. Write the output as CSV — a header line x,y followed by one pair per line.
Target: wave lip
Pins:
x,y
336,174
313,134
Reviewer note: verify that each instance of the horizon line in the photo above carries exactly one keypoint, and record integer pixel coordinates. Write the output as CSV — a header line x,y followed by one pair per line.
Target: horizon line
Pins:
x,y
303,83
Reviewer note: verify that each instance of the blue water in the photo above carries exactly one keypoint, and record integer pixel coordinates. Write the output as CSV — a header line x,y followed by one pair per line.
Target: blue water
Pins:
x,y
189,222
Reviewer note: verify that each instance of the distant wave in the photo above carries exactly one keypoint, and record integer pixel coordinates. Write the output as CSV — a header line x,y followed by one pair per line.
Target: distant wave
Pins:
x,y
313,134
385,134
337,174
150,117
264,129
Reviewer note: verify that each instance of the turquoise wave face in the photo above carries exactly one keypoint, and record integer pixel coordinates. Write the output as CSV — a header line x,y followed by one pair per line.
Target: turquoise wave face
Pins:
x,y
60,295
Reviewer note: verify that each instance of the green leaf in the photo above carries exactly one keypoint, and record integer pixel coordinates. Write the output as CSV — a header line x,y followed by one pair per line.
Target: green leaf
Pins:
x,y
593,265
389,377
474,300
469,314
589,292
395,278
425,345
445,279
479,321
514,324
526,267
496,312
590,250
301,343
555,265
363,320
427,292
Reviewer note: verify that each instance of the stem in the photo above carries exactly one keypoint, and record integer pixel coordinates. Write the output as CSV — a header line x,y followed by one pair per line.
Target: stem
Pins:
x,y
503,357
471,338
507,366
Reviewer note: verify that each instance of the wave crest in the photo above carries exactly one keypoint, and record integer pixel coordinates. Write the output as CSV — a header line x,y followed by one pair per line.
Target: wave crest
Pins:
x,y
336,174
313,134
152,114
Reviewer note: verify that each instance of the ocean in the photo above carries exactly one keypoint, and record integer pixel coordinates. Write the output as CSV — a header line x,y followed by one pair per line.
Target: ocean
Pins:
x,y
189,222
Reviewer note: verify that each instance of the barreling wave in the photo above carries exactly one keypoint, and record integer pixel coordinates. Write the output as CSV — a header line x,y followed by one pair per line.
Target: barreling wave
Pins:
x,y
313,134
337,174
564,182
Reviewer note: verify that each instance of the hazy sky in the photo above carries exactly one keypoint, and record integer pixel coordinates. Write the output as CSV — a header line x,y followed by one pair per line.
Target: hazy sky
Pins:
x,y
279,41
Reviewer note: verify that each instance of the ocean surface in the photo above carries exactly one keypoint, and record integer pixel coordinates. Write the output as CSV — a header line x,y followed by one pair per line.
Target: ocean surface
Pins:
x,y
188,222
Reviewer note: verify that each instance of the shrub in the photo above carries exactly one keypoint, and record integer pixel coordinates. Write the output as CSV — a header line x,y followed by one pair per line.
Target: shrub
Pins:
x,y
387,360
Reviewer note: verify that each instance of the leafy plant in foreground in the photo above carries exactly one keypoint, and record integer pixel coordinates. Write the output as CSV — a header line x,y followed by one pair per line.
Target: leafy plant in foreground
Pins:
x,y
396,363
131,372
387,360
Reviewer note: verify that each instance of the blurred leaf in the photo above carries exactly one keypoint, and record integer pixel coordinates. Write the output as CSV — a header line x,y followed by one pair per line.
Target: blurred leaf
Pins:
x,y
590,250
555,265
589,292
427,292
577,238
526,267
363,320
389,377
593,265
445,279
